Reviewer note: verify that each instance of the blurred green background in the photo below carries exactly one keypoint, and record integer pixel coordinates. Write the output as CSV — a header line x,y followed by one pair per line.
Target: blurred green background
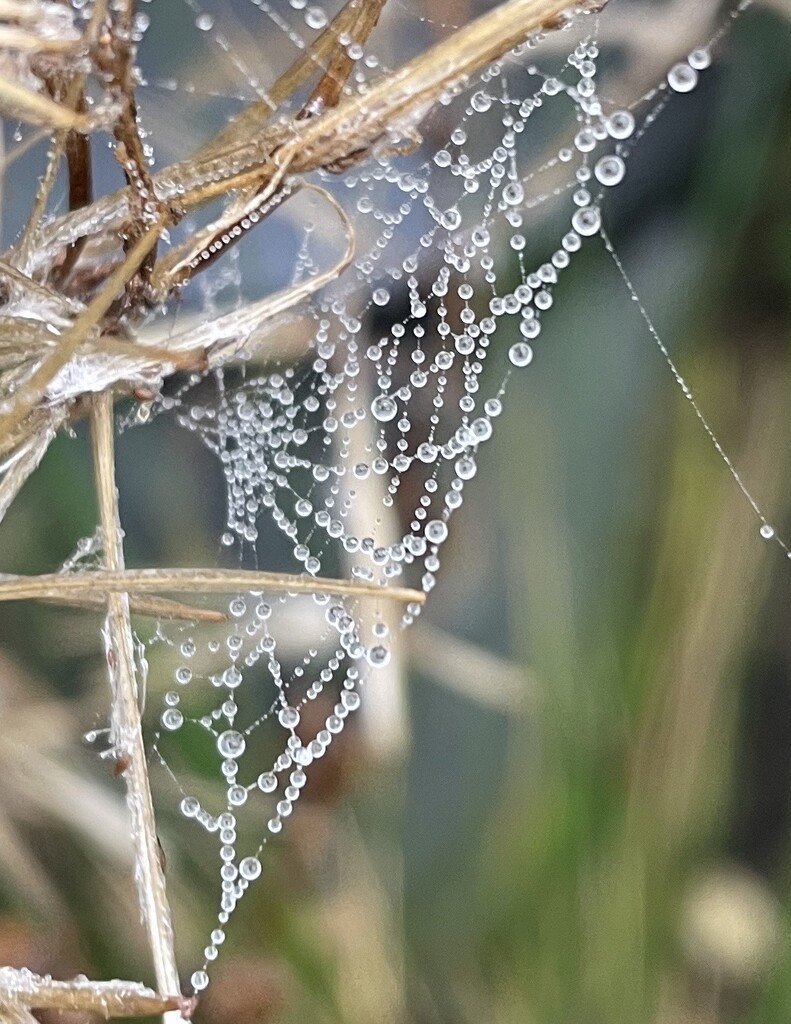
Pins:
x,y
588,817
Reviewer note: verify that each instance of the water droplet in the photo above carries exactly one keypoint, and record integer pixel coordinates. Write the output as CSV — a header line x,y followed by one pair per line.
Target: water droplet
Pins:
x,y
231,743
267,782
427,452
682,77
585,140
350,700
482,429
237,795
384,408
436,531
466,468
520,354
250,868
586,221
513,193
481,101
700,59
172,719
315,17
189,806
288,717
199,980
378,657
610,170
620,125
767,531
205,22
451,219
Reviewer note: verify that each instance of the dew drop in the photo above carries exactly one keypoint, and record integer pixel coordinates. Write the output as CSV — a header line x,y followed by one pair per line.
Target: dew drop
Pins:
x,y
465,468
482,429
513,193
451,219
520,354
585,140
231,743
315,17
620,125
237,796
378,657
682,77
699,59
384,408
586,221
288,717
189,806
172,719
199,980
267,782
350,700
250,868
610,170
481,101
436,531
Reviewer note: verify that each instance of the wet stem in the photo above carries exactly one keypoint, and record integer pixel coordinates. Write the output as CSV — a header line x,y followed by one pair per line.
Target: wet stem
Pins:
x,y
126,727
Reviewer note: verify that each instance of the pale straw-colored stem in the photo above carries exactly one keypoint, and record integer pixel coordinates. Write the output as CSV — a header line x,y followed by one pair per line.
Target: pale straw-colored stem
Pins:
x,y
21,991
203,581
126,727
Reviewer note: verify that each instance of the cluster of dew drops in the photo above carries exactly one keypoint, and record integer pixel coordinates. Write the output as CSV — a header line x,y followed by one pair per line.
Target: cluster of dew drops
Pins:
x,y
393,400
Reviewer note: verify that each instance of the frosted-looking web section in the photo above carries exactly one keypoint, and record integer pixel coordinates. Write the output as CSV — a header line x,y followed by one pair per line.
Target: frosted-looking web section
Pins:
x,y
355,451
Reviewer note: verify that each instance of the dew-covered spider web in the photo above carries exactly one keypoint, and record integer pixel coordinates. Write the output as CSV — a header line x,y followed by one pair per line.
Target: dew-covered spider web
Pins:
x,y
349,436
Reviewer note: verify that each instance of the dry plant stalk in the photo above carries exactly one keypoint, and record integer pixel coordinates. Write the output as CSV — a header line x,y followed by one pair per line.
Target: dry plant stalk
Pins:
x,y
206,581
105,998
126,731
94,294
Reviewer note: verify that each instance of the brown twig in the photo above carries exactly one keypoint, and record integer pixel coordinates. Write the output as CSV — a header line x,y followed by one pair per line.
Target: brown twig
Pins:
x,y
116,59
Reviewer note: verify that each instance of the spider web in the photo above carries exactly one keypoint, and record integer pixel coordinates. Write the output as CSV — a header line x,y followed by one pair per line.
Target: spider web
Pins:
x,y
349,453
